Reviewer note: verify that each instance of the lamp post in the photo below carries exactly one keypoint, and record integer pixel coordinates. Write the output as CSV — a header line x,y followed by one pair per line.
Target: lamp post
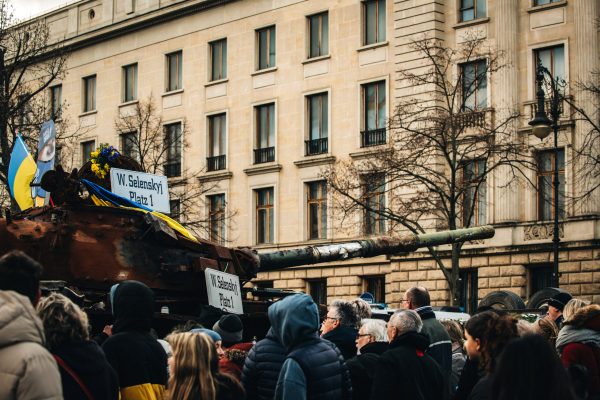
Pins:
x,y
541,128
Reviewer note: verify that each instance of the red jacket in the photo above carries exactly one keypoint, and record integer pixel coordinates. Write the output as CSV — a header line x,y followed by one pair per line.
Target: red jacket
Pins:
x,y
233,362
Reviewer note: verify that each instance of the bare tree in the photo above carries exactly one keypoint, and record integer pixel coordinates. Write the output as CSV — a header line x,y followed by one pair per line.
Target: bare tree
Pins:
x,y
146,139
30,62
443,146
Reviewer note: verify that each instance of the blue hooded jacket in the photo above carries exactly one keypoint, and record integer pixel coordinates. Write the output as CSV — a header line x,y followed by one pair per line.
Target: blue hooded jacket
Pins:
x,y
314,367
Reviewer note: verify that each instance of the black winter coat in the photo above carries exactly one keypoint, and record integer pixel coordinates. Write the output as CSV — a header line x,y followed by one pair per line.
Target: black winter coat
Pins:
x,y
261,368
405,371
469,377
362,369
87,360
344,337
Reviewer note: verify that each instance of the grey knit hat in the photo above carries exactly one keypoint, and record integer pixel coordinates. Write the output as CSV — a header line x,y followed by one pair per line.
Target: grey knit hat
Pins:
x,y
230,328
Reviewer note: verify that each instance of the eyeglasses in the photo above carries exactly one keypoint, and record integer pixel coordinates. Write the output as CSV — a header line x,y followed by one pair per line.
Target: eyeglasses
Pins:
x,y
405,300
333,318
364,334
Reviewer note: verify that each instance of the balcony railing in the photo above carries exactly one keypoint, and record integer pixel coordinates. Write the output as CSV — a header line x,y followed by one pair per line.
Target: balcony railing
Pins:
x,y
472,119
216,163
172,169
373,137
316,146
264,155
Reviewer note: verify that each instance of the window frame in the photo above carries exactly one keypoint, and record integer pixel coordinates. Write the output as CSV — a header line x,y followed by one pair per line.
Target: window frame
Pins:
x,y
216,217
269,209
476,8
271,31
477,81
123,138
323,40
562,182
477,202
536,3
378,280
55,109
86,106
82,146
125,96
319,285
365,24
321,204
178,54
379,222
175,204
218,61
271,137
168,161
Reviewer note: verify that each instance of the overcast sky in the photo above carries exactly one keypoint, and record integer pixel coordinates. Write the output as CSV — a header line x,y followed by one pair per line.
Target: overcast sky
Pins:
x,y
29,8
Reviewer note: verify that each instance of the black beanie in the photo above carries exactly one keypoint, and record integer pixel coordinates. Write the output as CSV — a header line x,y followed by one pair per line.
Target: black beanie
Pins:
x,y
230,328
559,300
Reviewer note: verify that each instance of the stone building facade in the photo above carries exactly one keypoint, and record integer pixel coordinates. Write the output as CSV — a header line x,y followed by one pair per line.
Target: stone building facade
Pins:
x,y
257,68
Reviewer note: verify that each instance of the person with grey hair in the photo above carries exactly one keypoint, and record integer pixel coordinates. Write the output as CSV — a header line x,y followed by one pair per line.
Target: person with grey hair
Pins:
x,y
405,371
339,327
371,343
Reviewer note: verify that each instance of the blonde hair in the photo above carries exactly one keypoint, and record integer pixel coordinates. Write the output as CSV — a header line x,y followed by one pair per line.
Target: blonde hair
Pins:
x,y
572,306
64,322
195,367
547,328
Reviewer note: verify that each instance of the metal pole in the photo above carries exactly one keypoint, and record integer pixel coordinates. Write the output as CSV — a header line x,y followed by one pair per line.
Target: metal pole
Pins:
x,y
555,182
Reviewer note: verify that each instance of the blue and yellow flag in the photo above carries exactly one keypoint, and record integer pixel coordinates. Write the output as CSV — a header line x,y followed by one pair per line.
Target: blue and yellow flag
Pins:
x,y
20,174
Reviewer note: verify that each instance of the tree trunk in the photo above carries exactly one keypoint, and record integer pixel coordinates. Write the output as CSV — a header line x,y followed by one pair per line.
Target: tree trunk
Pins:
x,y
456,284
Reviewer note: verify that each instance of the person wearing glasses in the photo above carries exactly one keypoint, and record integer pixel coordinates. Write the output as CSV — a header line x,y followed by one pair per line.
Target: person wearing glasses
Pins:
x,y
339,327
371,342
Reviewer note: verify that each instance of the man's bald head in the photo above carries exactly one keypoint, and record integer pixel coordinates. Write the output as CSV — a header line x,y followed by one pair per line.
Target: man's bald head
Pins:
x,y
417,297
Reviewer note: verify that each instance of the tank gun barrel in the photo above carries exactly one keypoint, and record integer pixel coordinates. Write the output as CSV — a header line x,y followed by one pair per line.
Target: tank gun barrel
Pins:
x,y
368,247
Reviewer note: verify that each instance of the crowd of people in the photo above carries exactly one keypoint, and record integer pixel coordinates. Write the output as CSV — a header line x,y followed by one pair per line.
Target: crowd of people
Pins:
x,y
46,351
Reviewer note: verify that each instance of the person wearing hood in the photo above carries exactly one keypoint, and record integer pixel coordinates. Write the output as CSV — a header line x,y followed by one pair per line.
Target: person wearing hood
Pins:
x,y
405,371
84,370
578,343
339,327
314,368
136,356
27,369
371,342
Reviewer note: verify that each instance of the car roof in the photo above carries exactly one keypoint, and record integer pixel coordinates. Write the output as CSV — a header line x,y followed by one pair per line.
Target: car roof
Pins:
x,y
456,316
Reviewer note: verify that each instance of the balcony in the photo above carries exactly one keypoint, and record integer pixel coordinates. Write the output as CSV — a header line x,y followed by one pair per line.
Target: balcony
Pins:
x,y
216,163
172,169
316,146
373,137
264,155
472,119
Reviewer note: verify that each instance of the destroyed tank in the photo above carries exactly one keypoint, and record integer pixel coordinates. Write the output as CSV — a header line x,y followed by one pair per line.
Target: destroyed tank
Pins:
x,y
88,248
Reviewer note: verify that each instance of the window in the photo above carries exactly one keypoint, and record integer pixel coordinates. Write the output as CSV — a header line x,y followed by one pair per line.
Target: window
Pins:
x,y
468,291
474,85
317,289
316,198
175,209
172,166
265,133
542,2
374,114
55,102
318,124
265,39
540,277
264,215
218,60
89,93
545,173
86,149
216,218
553,59
475,197
374,21
318,32
472,9
130,145
216,142
374,199
174,71
130,82
376,286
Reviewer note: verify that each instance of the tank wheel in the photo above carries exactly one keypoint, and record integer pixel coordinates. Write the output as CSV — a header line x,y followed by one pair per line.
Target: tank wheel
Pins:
x,y
540,298
503,300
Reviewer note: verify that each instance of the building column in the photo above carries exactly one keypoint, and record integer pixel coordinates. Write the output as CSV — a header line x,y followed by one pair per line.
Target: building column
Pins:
x,y
586,15
505,101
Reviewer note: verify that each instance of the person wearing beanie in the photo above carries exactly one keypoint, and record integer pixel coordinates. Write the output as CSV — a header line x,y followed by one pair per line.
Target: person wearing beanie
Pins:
x,y
231,330
556,304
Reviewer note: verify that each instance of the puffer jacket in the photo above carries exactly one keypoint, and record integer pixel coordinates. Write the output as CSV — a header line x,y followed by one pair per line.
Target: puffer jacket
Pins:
x,y
578,342
27,369
262,367
138,359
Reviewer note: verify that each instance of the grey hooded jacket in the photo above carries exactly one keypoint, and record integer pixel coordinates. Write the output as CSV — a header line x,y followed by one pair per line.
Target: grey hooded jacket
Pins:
x,y
27,369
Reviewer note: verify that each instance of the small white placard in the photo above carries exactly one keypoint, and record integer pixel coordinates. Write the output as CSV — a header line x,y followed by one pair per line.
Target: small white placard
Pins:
x,y
146,189
224,291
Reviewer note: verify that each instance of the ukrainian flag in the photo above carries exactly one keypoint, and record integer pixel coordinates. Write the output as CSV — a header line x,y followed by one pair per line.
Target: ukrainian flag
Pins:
x,y
21,170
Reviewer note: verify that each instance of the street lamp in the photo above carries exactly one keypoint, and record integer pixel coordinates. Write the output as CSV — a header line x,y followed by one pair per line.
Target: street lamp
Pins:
x,y
541,128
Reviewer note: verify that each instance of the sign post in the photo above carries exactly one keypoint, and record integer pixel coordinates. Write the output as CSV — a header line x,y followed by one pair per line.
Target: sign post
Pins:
x,y
145,189
224,291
